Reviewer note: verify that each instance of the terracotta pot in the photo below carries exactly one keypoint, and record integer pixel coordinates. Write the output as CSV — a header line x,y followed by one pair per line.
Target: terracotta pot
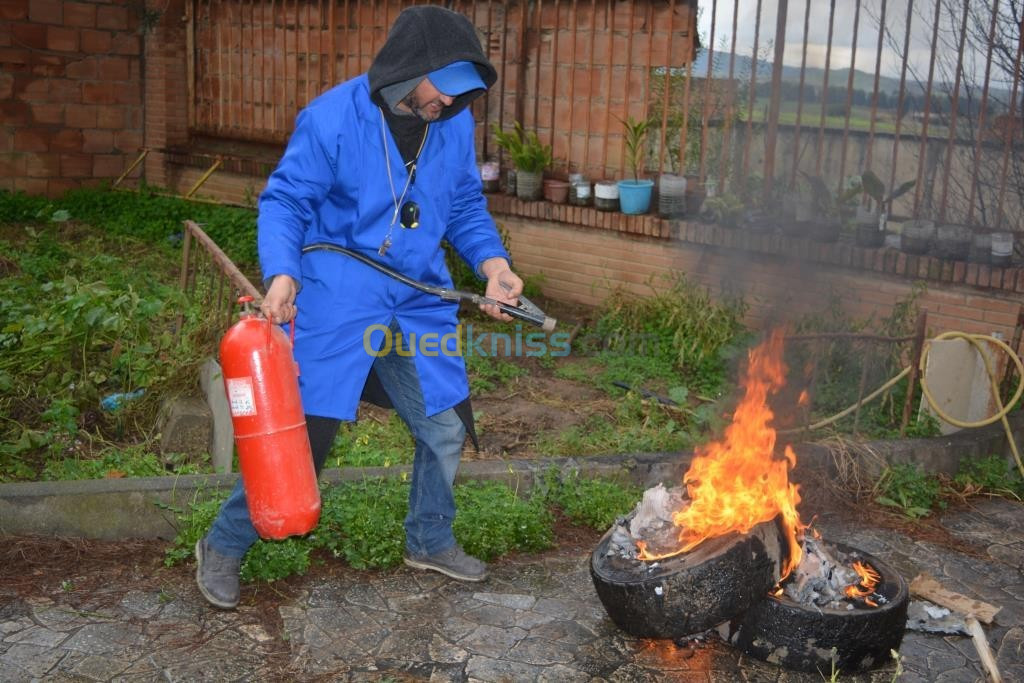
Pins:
x,y
556,191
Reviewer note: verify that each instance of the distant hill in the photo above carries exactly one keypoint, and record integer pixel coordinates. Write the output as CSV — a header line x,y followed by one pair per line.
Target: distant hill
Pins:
x,y
812,76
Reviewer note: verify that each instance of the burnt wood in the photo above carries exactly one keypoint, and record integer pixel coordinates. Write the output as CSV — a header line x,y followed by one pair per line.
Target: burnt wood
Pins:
x,y
691,592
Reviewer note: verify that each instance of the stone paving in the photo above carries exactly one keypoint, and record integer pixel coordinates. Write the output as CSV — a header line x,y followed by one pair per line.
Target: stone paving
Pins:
x,y
533,620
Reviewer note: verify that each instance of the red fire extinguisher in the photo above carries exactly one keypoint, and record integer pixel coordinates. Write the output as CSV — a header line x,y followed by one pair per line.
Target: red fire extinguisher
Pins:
x,y
261,381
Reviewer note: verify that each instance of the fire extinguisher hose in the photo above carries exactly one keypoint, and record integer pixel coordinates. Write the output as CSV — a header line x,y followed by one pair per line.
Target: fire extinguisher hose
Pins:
x,y
526,310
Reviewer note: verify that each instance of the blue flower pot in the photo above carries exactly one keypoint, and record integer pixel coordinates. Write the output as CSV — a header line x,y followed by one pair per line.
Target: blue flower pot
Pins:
x,y
635,195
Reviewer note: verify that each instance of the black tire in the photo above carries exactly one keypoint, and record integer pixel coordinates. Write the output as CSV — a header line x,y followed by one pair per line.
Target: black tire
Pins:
x,y
689,593
807,637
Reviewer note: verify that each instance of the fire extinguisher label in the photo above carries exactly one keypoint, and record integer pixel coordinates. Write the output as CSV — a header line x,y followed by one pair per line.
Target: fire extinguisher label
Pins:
x,y
240,396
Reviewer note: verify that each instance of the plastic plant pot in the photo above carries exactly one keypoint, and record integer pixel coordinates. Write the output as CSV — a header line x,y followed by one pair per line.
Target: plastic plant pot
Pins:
x,y
635,196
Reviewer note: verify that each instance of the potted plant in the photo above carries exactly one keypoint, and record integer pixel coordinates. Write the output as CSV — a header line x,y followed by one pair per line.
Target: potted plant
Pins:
x,y
872,217
635,194
529,157
828,208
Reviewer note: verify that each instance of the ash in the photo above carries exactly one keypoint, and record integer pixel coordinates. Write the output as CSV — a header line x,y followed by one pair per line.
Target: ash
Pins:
x,y
822,577
651,522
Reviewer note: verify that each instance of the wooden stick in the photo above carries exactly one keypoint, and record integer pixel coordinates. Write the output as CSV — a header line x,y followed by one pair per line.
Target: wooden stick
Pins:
x,y
984,651
927,587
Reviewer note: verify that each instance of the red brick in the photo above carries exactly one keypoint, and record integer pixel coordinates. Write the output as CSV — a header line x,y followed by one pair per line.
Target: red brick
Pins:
x,y
128,140
82,69
14,10
110,117
31,140
48,113
56,187
95,42
66,140
65,90
112,17
61,39
33,186
43,165
29,36
110,166
96,140
45,11
13,165
125,44
100,93
76,165
115,68
79,14
80,115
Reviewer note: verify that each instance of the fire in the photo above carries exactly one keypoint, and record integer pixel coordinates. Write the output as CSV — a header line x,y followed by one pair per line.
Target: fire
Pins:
x,y
869,578
737,483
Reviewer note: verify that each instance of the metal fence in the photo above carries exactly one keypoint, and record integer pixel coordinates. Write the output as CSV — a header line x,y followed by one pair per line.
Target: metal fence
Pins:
x,y
209,276
921,90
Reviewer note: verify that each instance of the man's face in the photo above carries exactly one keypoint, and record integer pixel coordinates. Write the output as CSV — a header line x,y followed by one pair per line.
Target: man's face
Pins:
x,y
426,101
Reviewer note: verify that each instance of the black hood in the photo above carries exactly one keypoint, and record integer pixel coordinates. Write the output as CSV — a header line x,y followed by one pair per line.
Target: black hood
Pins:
x,y
425,38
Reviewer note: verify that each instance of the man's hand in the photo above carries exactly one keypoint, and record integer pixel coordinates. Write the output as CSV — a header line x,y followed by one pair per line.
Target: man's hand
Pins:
x,y
279,304
502,285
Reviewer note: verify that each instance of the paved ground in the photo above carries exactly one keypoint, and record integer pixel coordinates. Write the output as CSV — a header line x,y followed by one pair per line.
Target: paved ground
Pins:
x,y
535,619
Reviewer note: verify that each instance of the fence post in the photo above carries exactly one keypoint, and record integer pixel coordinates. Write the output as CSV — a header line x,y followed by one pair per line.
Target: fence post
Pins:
x,y
915,362
773,108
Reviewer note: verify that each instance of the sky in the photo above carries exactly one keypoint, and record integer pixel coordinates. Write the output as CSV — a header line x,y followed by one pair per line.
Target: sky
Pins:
x,y
922,21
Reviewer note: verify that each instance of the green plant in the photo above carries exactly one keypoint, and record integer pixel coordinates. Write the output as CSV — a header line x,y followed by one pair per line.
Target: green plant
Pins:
x,y
494,519
724,209
372,443
825,202
909,489
595,503
635,425
678,325
873,187
992,474
524,149
361,521
636,136
487,373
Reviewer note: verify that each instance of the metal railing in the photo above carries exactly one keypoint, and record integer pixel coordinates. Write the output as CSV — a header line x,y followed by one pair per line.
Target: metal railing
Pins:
x,y
208,276
927,91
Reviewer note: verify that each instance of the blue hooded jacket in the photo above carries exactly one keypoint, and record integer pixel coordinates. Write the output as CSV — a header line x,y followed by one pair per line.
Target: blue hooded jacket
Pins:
x,y
332,185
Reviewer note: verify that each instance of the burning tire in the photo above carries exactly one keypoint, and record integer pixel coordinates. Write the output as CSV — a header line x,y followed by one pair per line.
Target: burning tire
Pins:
x,y
807,637
687,593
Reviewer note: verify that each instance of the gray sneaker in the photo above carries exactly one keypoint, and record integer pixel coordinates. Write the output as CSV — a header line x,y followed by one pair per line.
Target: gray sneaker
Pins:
x,y
453,562
217,576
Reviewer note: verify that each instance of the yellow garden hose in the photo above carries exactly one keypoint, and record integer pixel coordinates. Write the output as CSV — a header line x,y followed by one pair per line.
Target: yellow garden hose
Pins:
x,y
975,340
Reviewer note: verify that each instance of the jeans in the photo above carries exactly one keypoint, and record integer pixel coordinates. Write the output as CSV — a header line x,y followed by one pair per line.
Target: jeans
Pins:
x,y
438,448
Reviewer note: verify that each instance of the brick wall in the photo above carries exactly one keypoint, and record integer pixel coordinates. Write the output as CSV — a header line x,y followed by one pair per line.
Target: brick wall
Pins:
x,y
166,67
71,93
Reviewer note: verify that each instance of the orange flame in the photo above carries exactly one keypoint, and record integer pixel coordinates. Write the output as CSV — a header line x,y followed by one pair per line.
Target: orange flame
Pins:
x,y
737,483
804,400
869,578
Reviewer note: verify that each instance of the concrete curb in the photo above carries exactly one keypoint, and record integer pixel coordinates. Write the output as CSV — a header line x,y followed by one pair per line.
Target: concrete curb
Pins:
x,y
145,508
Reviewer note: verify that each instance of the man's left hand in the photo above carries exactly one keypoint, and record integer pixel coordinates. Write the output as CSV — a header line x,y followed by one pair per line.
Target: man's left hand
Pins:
x,y
502,285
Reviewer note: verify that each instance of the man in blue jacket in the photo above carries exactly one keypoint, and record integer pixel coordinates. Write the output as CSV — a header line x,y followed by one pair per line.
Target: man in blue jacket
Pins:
x,y
383,164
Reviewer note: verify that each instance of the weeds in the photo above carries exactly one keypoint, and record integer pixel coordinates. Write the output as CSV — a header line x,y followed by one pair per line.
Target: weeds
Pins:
x,y
907,488
372,443
677,328
362,522
990,475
